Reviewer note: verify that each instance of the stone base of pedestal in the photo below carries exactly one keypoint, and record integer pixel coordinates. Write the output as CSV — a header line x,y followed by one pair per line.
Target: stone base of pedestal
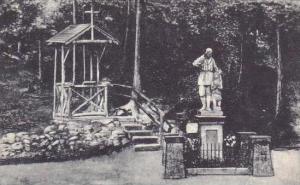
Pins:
x,y
261,156
173,156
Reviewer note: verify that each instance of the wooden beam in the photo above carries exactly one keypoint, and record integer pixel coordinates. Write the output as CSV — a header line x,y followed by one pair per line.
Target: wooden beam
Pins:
x,y
54,82
91,67
84,62
74,63
98,63
62,79
92,41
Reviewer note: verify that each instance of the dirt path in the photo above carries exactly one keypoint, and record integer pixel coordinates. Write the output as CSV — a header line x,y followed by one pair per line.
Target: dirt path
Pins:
x,y
131,168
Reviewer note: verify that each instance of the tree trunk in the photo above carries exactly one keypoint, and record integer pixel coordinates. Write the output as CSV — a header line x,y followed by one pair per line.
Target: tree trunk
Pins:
x,y
125,44
19,46
279,74
74,11
136,73
242,59
40,60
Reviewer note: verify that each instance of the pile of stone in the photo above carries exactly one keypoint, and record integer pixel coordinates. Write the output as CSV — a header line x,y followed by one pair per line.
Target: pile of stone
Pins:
x,y
64,140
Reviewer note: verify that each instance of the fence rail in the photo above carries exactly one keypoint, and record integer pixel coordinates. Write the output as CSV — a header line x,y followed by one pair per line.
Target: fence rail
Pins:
x,y
213,155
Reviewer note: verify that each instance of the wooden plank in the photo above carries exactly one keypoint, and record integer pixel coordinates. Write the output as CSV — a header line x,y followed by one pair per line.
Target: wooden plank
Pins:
x,y
84,63
86,101
54,82
83,41
62,78
74,64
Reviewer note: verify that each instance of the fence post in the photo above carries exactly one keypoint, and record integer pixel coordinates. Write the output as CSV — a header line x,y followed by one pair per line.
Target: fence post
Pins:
x,y
243,141
261,156
173,156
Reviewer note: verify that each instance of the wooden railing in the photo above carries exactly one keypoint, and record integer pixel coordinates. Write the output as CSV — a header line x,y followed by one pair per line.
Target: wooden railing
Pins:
x,y
81,100
148,107
91,99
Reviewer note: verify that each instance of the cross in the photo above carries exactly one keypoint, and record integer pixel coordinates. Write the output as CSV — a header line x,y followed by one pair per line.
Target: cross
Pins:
x,y
92,12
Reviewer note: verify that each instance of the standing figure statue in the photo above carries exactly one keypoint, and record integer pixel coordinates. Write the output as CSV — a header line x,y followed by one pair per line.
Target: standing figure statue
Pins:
x,y
207,66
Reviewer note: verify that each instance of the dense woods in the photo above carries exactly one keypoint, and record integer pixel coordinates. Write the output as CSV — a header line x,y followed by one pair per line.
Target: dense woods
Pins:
x,y
256,44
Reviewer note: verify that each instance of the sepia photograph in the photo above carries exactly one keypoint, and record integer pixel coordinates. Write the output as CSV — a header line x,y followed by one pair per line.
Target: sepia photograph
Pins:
x,y
149,92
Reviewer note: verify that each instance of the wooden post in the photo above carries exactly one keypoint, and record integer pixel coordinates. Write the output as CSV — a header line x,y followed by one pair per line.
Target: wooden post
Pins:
x,y
136,75
84,62
54,82
74,63
91,67
92,20
279,74
98,68
106,100
40,60
62,79
74,11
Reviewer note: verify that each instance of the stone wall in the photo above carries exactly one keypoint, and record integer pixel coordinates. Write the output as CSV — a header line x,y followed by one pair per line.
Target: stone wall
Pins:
x,y
63,140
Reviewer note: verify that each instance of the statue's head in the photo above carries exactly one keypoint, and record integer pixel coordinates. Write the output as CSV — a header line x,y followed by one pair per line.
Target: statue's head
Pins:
x,y
208,53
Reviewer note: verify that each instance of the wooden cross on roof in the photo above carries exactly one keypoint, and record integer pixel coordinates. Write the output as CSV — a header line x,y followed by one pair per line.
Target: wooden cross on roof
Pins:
x,y
92,12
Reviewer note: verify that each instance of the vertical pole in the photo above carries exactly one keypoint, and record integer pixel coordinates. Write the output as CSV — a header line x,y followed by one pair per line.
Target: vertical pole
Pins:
x,y
54,82
136,75
92,20
40,60
106,100
84,62
279,73
98,68
62,79
74,11
91,67
74,63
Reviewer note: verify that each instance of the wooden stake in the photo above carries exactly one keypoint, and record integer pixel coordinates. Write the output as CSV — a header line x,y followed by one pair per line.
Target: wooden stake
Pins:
x,y
91,67
136,74
74,64
62,79
84,62
54,82
40,60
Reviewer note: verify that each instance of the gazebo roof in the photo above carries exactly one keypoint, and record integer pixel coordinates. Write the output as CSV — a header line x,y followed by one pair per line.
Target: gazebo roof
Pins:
x,y
72,32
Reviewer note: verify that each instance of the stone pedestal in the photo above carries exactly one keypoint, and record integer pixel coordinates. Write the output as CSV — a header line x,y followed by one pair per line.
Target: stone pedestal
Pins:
x,y
244,143
211,136
173,156
261,156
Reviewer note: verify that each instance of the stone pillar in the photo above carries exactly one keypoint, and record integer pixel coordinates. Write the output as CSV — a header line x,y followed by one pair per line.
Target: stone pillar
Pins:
x,y
261,156
173,156
243,141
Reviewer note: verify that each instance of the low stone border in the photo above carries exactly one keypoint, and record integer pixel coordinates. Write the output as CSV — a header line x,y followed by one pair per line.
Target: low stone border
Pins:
x,y
218,171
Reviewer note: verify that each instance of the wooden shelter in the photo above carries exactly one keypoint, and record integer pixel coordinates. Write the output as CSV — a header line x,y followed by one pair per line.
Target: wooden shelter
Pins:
x,y
84,95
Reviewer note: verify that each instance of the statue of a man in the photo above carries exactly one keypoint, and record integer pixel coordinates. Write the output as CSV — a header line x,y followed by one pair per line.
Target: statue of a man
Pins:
x,y
207,66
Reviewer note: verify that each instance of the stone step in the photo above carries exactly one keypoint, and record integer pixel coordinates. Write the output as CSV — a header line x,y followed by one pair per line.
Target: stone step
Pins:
x,y
132,133
128,127
147,147
145,140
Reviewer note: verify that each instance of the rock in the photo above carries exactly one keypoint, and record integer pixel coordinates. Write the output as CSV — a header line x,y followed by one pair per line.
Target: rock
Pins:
x,y
74,133
21,134
116,142
62,141
4,154
26,141
88,128
73,138
56,142
52,133
49,129
42,137
124,141
26,137
111,126
27,148
94,143
17,146
61,128
105,133
9,138
34,137
116,133
44,143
